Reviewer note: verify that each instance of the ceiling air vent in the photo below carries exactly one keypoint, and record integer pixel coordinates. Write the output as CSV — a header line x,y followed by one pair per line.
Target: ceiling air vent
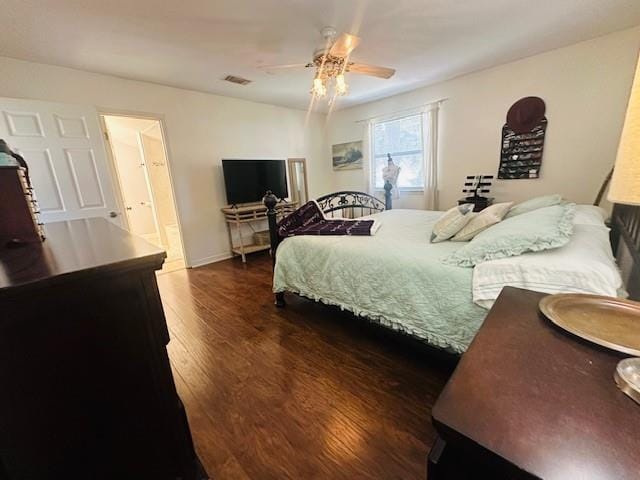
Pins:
x,y
238,80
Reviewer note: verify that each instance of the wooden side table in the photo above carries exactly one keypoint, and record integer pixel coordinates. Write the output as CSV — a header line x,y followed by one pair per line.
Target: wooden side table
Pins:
x,y
251,215
529,400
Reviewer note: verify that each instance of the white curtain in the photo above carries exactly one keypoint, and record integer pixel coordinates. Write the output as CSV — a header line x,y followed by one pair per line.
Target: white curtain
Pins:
x,y
367,151
429,114
430,153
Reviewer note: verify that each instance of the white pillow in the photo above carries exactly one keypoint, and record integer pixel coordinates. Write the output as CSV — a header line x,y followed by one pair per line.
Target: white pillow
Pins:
x,y
482,220
590,215
585,265
451,222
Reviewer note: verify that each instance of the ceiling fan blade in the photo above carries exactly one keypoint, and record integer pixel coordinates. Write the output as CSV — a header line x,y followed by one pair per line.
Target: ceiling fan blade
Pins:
x,y
344,45
275,68
373,70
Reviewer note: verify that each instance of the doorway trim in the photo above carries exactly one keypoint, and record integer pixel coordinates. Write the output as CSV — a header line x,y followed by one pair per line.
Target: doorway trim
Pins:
x,y
102,112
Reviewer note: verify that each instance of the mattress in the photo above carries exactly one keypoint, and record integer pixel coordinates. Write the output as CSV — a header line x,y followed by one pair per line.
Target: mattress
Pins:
x,y
395,278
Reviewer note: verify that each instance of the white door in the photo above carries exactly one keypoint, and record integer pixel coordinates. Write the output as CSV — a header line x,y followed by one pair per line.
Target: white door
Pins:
x,y
64,149
129,161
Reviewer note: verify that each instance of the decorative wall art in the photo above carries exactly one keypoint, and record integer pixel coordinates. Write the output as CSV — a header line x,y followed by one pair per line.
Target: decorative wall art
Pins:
x,y
523,139
347,156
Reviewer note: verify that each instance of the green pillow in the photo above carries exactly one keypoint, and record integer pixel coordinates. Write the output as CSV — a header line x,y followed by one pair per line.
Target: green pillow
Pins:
x,y
540,229
534,204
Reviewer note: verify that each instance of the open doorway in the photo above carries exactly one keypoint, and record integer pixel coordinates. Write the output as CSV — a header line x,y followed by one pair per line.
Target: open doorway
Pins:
x,y
140,163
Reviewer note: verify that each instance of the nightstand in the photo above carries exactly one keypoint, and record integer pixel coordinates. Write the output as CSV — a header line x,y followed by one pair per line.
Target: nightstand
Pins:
x,y
480,202
529,400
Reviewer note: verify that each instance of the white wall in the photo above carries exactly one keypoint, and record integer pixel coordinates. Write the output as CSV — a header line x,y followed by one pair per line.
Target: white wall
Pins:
x,y
585,87
201,129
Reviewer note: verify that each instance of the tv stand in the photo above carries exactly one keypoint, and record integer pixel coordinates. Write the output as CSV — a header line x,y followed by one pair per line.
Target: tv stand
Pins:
x,y
255,216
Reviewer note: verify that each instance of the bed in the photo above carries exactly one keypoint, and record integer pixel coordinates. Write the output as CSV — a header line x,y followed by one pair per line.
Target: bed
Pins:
x,y
397,279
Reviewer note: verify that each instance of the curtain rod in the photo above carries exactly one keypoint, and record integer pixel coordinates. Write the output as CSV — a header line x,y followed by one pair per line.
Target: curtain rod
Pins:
x,y
391,114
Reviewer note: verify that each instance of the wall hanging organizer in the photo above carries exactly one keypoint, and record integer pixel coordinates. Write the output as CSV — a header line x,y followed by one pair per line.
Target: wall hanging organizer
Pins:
x,y
523,139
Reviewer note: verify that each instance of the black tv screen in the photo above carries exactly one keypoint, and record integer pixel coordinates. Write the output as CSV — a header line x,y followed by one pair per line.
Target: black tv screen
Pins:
x,y
246,181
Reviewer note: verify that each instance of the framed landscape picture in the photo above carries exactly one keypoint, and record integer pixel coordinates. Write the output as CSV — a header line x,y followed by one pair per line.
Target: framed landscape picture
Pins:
x,y
347,156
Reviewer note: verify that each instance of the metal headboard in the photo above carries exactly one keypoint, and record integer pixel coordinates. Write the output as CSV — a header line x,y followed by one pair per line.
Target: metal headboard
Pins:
x,y
350,204
625,239
347,201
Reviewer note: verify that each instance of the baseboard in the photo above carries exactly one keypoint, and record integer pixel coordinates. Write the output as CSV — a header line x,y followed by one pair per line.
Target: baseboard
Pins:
x,y
212,259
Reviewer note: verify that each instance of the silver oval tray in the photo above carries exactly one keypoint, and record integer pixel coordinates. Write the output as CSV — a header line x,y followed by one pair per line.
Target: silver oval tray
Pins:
x,y
608,321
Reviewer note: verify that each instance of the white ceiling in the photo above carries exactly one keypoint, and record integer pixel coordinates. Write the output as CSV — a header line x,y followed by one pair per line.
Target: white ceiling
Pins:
x,y
195,43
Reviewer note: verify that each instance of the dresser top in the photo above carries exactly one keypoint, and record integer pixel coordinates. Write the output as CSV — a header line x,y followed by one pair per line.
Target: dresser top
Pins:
x,y
73,249
541,398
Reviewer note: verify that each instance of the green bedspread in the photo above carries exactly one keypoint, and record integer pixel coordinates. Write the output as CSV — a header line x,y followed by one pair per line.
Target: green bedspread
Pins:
x,y
395,278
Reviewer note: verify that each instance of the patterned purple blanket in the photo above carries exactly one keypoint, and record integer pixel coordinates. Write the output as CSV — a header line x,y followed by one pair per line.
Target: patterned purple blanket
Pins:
x,y
310,220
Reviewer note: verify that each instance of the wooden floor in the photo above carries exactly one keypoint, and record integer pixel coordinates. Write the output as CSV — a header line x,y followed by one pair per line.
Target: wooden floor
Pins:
x,y
305,392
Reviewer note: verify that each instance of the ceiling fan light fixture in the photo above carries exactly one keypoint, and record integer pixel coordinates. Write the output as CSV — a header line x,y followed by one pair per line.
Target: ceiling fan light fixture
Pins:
x,y
331,62
341,87
319,88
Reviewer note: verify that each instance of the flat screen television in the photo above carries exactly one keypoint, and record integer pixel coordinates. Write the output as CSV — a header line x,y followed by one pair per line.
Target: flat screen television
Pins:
x,y
246,181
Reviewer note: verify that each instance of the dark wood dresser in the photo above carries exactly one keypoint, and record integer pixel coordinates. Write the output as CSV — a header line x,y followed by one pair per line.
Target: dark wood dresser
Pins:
x,y
86,386
529,400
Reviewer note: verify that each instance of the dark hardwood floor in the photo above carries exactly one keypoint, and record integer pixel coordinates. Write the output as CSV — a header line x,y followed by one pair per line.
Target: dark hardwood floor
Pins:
x,y
306,392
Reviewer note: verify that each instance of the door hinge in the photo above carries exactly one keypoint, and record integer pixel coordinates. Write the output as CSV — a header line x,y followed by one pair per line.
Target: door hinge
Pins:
x,y
106,136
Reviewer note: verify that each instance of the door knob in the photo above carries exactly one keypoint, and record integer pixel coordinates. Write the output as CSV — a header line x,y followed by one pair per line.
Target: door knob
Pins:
x,y
113,214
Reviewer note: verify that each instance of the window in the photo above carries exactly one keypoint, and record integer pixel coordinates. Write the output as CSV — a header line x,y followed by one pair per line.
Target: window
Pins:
x,y
402,139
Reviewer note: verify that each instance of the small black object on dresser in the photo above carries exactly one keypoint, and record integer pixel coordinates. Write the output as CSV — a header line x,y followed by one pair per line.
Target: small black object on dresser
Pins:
x,y
19,214
480,203
87,389
474,186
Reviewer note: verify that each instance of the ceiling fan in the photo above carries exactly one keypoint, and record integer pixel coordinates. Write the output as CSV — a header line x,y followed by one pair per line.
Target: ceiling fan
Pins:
x,y
331,62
